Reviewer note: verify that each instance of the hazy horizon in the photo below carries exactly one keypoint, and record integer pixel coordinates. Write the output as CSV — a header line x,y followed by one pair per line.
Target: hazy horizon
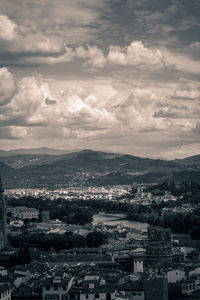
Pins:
x,y
98,150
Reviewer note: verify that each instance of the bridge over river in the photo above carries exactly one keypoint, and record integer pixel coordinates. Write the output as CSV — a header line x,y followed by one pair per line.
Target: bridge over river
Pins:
x,y
116,219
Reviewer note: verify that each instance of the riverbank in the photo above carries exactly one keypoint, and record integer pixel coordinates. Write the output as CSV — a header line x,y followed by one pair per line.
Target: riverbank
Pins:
x,y
116,219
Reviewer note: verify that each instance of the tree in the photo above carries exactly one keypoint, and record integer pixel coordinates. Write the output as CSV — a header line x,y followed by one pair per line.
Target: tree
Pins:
x,y
95,238
82,217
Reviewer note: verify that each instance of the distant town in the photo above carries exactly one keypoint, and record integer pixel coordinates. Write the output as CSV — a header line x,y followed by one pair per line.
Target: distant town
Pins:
x,y
133,242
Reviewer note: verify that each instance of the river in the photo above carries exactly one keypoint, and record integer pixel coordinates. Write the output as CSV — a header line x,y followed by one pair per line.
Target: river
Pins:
x,y
116,219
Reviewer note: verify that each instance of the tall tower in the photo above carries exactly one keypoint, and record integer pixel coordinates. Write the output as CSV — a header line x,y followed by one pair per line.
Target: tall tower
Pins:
x,y
159,244
3,218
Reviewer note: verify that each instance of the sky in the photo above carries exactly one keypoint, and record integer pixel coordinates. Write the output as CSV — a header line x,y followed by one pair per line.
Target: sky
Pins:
x,y
113,75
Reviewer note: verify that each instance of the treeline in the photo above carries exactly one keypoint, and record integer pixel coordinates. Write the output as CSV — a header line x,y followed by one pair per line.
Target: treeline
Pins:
x,y
58,242
66,211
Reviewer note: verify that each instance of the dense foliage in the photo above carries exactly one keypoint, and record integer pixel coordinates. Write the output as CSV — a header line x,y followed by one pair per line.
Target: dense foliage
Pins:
x,y
58,241
62,209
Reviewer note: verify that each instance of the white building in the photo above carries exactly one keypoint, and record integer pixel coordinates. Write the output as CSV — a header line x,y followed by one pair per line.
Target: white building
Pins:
x,y
175,275
56,288
189,285
94,288
23,212
5,293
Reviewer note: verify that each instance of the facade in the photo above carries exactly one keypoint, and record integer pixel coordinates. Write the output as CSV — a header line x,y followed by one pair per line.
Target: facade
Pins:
x,y
175,275
189,285
94,288
23,212
159,246
5,293
3,218
44,216
156,288
138,256
56,289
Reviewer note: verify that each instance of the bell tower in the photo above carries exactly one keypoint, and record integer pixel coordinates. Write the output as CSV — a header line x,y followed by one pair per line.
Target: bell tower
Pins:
x,y
3,218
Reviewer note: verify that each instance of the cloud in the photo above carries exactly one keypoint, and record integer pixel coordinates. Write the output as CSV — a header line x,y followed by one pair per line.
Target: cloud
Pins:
x,y
48,59
13,133
136,54
94,55
7,86
8,29
182,62
22,109
16,39
187,94
89,113
195,45
174,111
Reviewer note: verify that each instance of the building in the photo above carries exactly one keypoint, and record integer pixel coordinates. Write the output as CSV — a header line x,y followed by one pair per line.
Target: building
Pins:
x,y
159,246
3,218
189,285
44,216
156,288
95,288
56,288
23,212
5,293
138,256
175,275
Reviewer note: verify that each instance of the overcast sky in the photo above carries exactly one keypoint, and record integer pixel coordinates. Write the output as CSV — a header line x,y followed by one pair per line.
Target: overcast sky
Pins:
x,y
114,75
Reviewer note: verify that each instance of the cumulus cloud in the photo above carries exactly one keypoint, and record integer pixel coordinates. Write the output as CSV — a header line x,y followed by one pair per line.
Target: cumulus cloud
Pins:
x,y
136,54
22,109
7,86
80,113
18,39
8,29
94,55
29,45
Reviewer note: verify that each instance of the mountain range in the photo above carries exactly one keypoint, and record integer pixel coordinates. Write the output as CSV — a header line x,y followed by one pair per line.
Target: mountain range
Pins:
x,y
52,168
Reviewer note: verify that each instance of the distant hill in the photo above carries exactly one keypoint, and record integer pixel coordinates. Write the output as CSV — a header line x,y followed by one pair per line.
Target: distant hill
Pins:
x,y
92,168
42,150
24,160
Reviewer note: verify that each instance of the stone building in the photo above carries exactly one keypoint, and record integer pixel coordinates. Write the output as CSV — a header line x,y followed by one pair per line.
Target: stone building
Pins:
x,y
159,246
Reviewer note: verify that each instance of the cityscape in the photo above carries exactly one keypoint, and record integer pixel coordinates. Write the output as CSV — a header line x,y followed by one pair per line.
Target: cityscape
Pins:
x,y
122,242
99,150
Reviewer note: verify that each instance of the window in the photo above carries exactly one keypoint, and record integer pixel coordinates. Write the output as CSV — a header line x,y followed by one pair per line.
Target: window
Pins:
x,y
96,295
139,294
47,288
154,292
64,288
55,288
86,296
108,296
